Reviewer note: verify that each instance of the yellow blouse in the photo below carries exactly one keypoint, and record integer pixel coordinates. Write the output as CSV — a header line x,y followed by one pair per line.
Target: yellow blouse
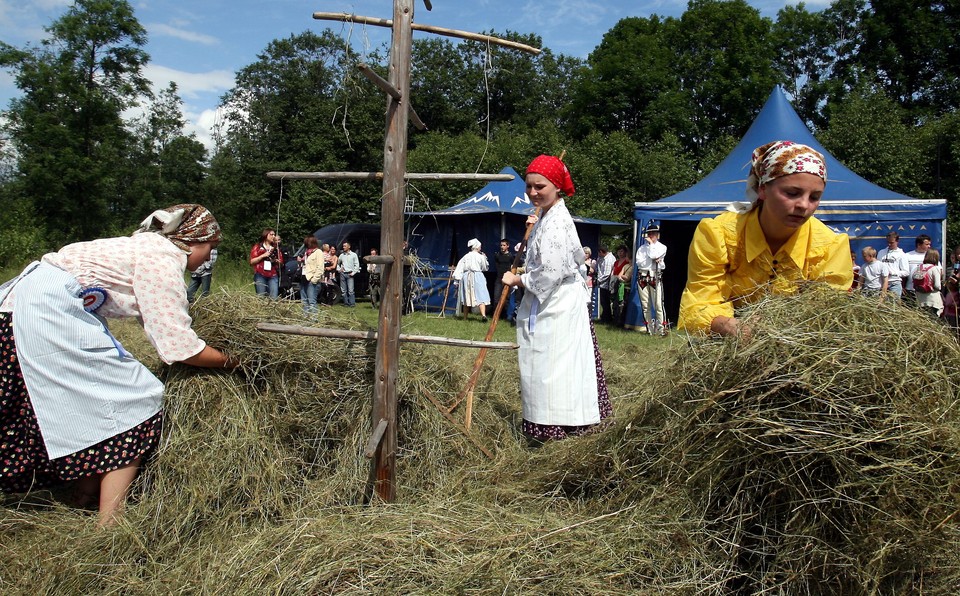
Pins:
x,y
730,265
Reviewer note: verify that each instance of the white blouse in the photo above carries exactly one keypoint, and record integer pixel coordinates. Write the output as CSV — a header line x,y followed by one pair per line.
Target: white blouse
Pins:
x,y
554,252
143,277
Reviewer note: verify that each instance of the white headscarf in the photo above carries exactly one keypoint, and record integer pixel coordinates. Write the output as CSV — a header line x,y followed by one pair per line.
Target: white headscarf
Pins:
x,y
473,244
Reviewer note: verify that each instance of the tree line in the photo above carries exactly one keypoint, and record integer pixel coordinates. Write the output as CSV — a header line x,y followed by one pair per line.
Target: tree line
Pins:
x,y
654,107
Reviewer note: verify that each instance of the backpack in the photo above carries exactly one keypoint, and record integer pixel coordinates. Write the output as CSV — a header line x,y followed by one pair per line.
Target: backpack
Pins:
x,y
922,279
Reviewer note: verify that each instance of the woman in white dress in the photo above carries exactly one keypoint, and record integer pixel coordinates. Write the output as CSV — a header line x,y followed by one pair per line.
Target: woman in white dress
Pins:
x,y
469,277
562,385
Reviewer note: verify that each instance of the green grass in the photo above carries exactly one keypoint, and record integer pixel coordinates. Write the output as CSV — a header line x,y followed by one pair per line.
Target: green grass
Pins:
x,y
237,276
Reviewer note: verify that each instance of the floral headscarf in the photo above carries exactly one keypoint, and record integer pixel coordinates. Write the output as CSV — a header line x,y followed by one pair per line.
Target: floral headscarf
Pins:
x,y
773,160
182,224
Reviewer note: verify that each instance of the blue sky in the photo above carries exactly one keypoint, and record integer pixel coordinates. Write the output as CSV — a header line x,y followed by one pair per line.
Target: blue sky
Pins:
x,y
201,44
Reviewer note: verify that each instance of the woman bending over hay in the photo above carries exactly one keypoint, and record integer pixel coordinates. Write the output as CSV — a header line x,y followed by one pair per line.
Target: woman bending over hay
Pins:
x,y
74,405
765,244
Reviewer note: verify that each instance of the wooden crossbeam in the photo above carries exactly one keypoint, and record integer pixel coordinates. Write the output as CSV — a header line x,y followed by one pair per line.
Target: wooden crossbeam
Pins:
x,y
378,22
379,176
373,336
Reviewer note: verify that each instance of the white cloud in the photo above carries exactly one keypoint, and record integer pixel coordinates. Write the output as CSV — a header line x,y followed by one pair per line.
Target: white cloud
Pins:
x,y
190,85
179,33
203,125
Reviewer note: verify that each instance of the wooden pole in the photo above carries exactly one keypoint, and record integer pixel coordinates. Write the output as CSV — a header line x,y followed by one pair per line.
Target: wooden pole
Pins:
x,y
352,334
446,293
379,176
383,468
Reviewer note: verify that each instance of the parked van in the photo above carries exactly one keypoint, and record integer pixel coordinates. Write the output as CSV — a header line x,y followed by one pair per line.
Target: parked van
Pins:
x,y
362,237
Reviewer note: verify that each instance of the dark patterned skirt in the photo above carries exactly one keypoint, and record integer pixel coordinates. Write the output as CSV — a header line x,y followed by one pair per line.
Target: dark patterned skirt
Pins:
x,y
24,464
544,432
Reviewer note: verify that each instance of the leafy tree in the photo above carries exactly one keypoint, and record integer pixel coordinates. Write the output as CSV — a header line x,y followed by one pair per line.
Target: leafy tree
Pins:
x,y
725,67
912,48
628,83
869,133
301,106
804,56
167,167
67,127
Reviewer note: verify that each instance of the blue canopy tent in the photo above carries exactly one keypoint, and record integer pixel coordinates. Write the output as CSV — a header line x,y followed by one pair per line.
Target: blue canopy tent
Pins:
x,y
498,210
850,204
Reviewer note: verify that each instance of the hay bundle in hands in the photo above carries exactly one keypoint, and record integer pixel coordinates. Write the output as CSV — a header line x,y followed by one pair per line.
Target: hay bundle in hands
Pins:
x,y
821,456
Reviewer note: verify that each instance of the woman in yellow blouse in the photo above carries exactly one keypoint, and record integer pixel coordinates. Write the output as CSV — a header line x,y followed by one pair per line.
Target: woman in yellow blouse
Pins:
x,y
765,244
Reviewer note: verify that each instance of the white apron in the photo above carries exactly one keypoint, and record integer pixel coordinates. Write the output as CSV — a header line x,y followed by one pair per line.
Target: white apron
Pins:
x,y
558,373
84,389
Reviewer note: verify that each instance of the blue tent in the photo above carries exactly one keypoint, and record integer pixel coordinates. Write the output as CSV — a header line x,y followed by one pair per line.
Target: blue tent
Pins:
x,y
498,210
850,204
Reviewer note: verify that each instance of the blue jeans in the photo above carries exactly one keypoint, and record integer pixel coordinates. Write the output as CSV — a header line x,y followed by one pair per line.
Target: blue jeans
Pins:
x,y
346,288
308,296
201,283
267,286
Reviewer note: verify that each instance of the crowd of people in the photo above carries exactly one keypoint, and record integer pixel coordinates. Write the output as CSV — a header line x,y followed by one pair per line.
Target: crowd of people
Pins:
x,y
917,278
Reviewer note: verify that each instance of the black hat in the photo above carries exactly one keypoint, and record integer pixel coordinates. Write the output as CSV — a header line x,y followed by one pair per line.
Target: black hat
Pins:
x,y
652,228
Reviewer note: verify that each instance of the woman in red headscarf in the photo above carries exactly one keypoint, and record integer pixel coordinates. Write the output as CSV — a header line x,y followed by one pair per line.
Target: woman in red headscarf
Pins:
x,y
563,390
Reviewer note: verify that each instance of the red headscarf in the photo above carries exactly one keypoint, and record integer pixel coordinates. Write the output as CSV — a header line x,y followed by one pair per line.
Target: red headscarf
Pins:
x,y
553,170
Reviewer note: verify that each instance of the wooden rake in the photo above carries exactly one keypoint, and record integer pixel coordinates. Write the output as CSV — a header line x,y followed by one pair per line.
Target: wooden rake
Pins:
x,y
467,392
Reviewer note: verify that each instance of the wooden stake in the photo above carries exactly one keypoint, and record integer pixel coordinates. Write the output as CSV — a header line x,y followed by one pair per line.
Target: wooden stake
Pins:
x,y
456,425
374,336
446,292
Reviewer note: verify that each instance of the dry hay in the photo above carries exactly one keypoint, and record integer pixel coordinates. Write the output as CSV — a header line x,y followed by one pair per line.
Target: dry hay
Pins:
x,y
822,455
787,464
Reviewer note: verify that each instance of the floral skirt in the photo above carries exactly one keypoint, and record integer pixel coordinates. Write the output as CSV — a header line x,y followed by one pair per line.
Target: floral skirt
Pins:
x,y
24,464
544,432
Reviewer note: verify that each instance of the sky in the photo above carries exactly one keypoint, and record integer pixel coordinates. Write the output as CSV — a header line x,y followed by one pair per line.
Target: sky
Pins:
x,y
200,44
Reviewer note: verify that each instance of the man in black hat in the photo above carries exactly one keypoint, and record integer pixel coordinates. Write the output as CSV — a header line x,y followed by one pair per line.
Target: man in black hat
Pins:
x,y
650,266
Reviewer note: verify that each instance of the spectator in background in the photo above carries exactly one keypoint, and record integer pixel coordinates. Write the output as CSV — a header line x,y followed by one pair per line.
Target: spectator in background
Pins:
x,y
650,265
951,304
348,266
200,278
927,293
619,281
915,258
266,260
604,270
472,283
897,265
308,289
874,274
375,271
856,270
330,286
503,261
588,271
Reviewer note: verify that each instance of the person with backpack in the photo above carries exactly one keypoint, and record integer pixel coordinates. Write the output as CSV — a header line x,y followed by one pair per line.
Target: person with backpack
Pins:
x,y
769,243
927,281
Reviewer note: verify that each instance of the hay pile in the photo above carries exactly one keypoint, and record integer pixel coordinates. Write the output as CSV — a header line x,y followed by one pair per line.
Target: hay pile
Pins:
x,y
821,457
